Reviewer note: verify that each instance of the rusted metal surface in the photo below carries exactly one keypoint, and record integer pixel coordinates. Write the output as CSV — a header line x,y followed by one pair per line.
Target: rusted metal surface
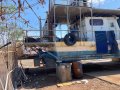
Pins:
x,y
77,69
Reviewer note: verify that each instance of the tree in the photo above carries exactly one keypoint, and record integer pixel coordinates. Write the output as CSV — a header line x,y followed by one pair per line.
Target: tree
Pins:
x,y
6,33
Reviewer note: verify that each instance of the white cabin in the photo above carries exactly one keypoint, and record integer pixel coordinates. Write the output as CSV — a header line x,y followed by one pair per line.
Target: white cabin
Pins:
x,y
90,25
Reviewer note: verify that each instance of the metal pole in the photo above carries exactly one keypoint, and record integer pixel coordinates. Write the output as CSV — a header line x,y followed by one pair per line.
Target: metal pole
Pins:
x,y
80,26
54,35
99,3
40,23
49,6
68,16
92,20
6,84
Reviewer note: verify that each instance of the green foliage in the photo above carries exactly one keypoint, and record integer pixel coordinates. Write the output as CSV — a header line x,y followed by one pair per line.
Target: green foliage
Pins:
x,y
10,9
17,34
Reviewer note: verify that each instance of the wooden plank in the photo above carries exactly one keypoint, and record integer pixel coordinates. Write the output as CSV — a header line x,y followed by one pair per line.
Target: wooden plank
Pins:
x,y
28,63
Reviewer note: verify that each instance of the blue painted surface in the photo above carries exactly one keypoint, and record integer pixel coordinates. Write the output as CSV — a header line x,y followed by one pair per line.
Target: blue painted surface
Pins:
x,y
75,53
112,42
68,57
101,42
85,55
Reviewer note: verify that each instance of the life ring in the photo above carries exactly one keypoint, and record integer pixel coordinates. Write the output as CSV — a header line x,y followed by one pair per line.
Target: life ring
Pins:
x,y
70,39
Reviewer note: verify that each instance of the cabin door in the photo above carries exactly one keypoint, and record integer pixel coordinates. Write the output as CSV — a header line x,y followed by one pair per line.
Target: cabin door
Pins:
x,y
112,36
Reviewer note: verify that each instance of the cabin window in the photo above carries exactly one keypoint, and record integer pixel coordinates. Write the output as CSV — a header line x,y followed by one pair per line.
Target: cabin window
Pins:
x,y
96,22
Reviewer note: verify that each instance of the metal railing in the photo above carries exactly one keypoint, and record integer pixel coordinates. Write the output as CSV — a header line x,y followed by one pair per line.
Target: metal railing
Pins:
x,y
71,2
58,35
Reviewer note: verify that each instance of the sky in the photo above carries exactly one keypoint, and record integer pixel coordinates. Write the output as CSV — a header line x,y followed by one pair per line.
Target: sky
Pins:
x,y
41,10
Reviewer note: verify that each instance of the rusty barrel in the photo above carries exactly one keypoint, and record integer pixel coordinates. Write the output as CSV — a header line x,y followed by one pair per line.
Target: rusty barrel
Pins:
x,y
77,69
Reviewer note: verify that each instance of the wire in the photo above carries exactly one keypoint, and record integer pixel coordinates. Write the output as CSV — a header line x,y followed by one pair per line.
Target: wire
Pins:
x,y
32,9
27,24
27,7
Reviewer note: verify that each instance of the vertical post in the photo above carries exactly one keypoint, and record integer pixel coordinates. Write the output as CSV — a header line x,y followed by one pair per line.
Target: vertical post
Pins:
x,y
49,6
92,20
99,3
68,16
54,32
80,26
40,23
50,24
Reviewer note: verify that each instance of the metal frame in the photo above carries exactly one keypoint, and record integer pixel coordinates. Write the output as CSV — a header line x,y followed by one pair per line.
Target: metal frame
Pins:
x,y
52,10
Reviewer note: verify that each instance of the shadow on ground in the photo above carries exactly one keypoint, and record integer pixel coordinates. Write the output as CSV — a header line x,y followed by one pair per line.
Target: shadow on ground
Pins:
x,y
43,78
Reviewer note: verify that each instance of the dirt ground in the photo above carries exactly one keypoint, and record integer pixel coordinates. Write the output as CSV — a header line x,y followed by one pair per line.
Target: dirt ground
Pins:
x,y
49,82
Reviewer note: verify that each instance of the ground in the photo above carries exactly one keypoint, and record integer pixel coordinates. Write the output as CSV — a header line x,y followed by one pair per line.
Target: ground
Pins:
x,y
49,83
47,80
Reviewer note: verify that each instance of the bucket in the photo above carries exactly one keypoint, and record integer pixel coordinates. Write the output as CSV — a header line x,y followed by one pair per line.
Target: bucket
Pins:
x,y
63,72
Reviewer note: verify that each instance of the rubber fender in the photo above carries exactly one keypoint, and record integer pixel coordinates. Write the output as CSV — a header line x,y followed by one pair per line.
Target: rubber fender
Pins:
x,y
70,39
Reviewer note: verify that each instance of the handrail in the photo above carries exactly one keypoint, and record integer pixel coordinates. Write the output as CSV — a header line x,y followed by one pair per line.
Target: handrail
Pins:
x,y
68,2
58,35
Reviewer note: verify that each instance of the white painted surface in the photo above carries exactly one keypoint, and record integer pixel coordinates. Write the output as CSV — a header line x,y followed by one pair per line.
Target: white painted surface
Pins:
x,y
89,29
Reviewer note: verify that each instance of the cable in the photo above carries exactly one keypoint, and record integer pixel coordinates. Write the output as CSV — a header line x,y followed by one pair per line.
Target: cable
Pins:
x,y
27,7
32,9
27,24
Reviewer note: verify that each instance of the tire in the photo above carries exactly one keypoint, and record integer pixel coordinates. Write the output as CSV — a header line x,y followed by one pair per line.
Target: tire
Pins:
x,y
70,39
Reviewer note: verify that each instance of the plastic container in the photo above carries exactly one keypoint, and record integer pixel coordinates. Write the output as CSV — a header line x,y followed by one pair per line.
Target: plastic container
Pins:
x,y
63,72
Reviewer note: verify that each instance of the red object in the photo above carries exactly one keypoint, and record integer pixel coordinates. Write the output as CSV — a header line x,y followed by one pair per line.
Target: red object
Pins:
x,y
77,70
